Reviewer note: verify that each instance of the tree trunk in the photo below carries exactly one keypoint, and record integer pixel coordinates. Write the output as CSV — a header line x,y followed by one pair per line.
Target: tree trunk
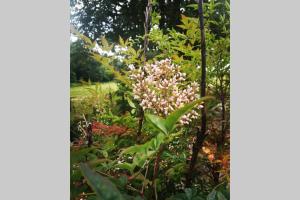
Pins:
x,y
162,9
147,26
176,12
201,134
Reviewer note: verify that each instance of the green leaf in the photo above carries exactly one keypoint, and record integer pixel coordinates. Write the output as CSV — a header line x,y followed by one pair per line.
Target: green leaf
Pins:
x,y
133,111
139,159
172,119
122,181
128,166
157,122
167,125
221,196
156,142
216,195
134,149
79,155
182,26
131,104
227,5
81,36
212,195
194,6
103,187
121,41
188,193
104,43
104,153
220,192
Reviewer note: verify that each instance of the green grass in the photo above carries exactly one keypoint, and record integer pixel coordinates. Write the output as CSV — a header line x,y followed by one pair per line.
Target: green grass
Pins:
x,y
80,91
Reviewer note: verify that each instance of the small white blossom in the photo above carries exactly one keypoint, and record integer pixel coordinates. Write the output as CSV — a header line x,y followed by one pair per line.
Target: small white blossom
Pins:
x,y
131,67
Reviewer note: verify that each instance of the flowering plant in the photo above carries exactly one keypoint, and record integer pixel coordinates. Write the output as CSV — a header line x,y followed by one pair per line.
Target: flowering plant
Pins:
x,y
160,87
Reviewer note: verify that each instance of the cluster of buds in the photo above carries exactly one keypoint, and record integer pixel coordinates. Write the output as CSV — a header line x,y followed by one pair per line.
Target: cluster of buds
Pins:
x,y
161,88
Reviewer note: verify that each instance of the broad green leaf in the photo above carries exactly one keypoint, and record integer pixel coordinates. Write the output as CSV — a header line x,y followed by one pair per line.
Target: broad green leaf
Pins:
x,y
103,187
157,122
155,142
133,149
145,148
172,119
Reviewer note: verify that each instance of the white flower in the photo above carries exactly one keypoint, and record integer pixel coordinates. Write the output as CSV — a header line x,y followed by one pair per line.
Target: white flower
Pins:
x,y
131,67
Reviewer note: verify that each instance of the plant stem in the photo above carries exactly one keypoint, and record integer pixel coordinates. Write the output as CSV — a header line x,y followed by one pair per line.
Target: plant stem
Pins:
x,y
156,168
142,191
141,120
87,194
147,26
89,135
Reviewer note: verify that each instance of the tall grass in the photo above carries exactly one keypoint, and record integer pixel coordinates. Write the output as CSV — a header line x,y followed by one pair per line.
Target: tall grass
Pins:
x,y
80,91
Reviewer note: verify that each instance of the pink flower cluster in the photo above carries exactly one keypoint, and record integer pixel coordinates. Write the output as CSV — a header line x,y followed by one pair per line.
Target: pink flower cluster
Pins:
x,y
161,88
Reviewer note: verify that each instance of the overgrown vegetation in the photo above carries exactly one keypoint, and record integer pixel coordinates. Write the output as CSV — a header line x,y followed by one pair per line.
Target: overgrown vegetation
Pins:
x,y
163,132
83,67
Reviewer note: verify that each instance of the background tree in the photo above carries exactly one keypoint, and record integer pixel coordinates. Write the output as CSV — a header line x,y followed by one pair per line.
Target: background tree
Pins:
x,y
112,18
84,67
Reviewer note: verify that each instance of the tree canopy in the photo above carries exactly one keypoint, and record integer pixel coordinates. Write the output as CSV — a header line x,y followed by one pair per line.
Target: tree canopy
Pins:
x,y
123,17
84,67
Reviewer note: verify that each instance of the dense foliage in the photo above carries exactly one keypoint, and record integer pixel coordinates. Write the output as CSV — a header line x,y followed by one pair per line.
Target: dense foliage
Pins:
x,y
122,17
158,89
83,67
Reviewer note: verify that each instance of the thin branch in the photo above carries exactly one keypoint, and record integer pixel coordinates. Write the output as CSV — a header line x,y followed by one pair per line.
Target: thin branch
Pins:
x,y
142,192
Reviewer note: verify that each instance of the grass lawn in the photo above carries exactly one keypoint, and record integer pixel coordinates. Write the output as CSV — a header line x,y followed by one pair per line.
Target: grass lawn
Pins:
x,y
81,90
